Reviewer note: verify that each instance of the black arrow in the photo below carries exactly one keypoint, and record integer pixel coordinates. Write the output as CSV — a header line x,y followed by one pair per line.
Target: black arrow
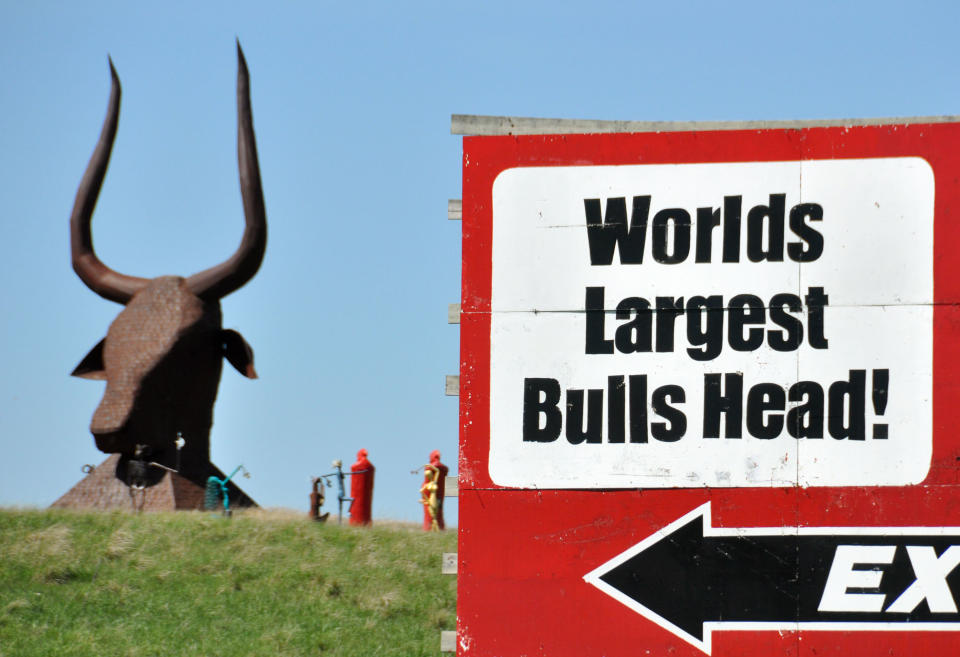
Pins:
x,y
691,578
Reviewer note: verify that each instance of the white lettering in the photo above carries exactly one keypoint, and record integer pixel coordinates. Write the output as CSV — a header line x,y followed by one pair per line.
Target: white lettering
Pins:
x,y
843,577
931,581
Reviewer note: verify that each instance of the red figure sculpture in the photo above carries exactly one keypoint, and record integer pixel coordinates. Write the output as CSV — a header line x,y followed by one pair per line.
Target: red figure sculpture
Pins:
x,y
431,493
361,489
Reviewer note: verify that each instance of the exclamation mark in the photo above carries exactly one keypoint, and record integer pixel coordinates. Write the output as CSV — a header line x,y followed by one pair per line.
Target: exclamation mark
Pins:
x,y
881,384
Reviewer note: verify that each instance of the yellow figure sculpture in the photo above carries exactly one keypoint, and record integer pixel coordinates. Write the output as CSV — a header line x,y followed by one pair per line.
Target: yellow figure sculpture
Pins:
x,y
428,495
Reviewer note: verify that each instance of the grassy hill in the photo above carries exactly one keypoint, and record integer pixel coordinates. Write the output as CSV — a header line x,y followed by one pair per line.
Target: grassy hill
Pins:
x,y
261,583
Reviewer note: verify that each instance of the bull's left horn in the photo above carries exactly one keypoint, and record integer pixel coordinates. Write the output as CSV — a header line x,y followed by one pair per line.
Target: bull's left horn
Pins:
x,y
228,276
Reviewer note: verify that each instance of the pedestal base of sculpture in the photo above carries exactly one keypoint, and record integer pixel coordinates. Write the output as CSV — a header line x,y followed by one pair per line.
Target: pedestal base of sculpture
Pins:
x,y
101,489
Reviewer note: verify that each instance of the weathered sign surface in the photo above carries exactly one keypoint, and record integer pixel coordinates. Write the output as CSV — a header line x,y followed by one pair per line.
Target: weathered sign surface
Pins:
x,y
707,401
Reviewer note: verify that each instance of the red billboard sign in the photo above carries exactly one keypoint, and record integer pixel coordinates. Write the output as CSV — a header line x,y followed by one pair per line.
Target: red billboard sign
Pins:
x,y
707,397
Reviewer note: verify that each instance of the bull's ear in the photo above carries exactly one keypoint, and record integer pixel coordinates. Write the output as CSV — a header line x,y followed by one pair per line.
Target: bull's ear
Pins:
x,y
91,367
237,352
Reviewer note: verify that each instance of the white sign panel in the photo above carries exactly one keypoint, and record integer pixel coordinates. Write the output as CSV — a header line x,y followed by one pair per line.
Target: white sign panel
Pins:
x,y
746,324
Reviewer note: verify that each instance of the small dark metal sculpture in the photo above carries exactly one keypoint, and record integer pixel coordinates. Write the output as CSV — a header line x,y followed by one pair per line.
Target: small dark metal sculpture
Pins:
x,y
162,356
316,500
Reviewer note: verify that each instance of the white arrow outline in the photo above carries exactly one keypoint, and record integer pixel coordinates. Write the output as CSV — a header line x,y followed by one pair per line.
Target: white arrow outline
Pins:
x,y
593,577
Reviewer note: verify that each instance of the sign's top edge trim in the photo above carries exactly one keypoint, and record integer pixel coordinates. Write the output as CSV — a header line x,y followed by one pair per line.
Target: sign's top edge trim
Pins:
x,y
484,126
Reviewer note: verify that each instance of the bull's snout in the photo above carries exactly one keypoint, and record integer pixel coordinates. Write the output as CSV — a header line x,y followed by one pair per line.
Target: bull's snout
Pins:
x,y
113,441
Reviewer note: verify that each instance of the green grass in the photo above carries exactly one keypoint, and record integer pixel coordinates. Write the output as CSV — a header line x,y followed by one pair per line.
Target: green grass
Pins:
x,y
261,583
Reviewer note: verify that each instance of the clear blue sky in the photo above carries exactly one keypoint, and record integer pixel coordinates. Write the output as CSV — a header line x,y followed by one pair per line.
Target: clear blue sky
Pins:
x,y
352,104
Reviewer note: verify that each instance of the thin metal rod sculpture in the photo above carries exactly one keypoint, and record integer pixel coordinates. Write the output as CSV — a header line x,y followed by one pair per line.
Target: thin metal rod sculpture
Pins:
x,y
341,485
217,487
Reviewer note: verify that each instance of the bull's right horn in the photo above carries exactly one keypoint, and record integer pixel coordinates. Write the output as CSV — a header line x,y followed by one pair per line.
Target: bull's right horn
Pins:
x,y
96,275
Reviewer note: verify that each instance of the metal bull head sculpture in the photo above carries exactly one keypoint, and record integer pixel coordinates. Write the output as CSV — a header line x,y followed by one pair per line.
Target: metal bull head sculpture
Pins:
x,y
163,353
